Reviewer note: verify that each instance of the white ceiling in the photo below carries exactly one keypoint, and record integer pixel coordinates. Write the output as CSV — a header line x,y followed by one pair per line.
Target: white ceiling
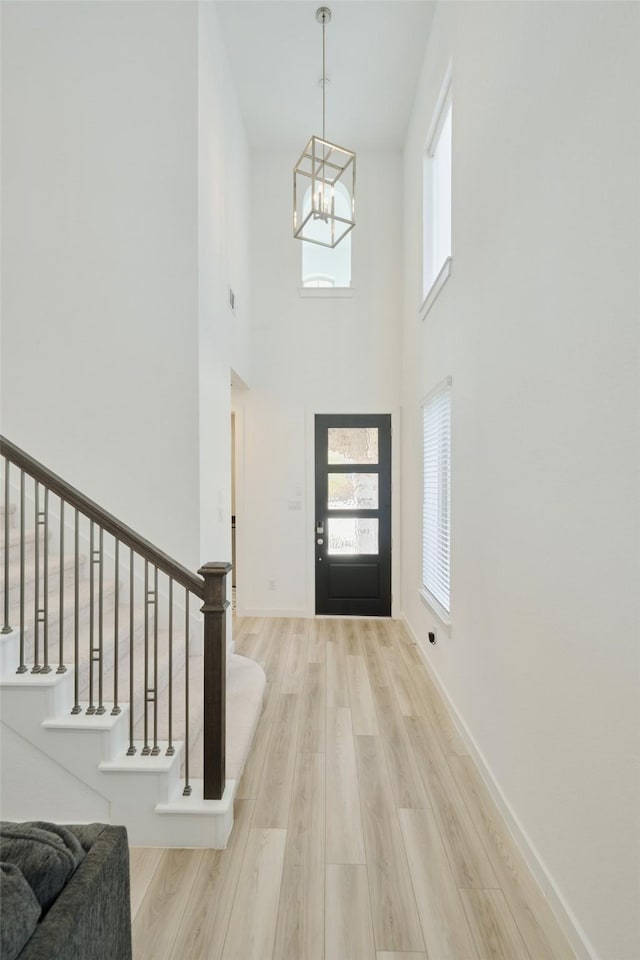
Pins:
x,y
375,50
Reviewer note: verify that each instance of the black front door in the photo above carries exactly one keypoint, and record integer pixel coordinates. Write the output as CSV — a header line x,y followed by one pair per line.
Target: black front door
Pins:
x,y
353,515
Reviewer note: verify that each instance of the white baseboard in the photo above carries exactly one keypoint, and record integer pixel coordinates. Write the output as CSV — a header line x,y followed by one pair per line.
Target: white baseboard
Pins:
x,y
571,927
298,614
268,612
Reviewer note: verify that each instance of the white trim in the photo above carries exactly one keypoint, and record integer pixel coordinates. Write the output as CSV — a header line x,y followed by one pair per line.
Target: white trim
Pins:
x,y
436,608
237,409
445,382
310,280
436,512
439,110
330,292
569,923
436,287
297,613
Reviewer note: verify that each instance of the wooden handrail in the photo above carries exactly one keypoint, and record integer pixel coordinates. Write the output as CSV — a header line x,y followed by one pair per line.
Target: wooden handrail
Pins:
x,y
103,518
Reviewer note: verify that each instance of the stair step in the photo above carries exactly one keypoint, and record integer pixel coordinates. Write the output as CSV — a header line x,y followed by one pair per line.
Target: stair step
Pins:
x,y
10,658
138,664
68,567
12,513
144,763
195,802
53,611
199,822
57,689
14,544
88,721
245,689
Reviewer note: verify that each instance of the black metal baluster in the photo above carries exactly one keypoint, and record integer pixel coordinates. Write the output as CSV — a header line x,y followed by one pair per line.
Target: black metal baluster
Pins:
x,y
156,749
76,608
116,625
6,626
36,600
171,749
22,668
187,787
101,707
146,749
61,665
91,708
132,749
45,586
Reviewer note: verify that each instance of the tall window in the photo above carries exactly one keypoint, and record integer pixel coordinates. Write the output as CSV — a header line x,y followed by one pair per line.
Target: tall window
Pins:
x,y
436,504
437,193
324,266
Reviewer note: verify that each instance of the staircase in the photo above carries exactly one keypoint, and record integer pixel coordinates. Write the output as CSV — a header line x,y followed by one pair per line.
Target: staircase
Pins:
x,y
119,701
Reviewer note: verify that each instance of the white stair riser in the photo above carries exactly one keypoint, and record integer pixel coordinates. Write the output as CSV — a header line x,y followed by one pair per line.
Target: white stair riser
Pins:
x,y
26,710
211,832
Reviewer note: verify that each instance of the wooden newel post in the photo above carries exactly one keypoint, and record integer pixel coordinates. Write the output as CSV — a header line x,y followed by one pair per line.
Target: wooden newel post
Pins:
x,y
215,676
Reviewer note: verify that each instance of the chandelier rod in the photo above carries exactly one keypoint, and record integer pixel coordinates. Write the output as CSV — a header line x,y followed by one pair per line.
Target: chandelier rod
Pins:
x,y
324,78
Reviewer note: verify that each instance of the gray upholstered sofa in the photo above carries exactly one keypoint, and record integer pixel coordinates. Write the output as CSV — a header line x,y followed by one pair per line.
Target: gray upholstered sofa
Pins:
x,y
64,892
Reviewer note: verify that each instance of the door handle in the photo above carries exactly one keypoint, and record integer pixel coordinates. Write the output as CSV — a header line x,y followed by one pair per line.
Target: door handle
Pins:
x,y
320,527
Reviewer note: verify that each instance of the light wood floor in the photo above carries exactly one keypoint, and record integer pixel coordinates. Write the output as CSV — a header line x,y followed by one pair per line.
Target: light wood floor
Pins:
x,y
363,831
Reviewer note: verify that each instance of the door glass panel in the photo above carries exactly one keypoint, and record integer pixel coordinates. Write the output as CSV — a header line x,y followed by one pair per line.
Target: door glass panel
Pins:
x,y
349,535
353,444
353,491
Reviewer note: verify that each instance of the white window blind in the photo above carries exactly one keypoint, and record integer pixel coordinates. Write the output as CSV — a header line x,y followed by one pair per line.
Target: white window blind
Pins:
x,y
436,514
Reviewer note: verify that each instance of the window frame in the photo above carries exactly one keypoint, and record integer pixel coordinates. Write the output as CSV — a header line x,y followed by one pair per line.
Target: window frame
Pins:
x,y
437,600
314,278
435,275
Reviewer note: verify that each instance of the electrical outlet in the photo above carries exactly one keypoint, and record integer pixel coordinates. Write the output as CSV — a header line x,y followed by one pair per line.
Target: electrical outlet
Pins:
x,y
271,584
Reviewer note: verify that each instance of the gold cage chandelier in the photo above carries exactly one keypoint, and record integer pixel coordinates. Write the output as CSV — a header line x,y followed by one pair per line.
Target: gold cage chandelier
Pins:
x,y
324,179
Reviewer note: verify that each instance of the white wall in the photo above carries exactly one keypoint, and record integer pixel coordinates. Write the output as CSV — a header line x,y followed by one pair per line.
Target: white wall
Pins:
x,y
99,254
309,355
538,326
67,798
124,175
223,204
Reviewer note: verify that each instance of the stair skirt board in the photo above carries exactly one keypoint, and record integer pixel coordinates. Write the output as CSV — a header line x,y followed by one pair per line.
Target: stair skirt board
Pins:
x,y
75,768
